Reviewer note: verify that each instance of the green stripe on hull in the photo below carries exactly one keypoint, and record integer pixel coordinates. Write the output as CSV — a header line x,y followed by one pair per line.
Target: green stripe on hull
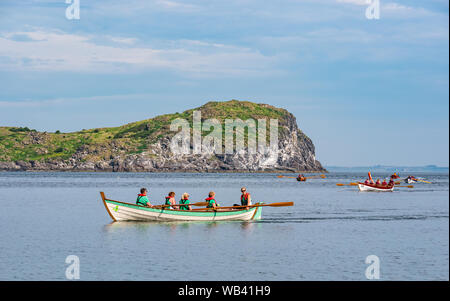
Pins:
x,y
186,213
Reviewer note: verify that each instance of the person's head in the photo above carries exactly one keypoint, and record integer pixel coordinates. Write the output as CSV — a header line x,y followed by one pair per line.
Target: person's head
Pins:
x,y
211,194
143,190
185,196
171,194
243,190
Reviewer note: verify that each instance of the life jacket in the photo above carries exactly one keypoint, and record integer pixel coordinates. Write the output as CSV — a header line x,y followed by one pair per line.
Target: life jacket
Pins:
x,y
244,199
168,200
210,203
138,200
184,202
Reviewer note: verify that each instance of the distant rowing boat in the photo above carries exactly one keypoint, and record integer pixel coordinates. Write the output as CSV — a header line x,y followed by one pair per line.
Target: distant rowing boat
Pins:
x,y
369,187
410,181
120,211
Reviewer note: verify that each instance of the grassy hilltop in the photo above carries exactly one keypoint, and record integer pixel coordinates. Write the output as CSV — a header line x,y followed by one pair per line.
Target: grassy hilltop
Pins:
x,y
23,144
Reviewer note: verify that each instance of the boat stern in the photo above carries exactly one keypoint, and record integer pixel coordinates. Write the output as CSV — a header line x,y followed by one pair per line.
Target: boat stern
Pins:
x,y
258,212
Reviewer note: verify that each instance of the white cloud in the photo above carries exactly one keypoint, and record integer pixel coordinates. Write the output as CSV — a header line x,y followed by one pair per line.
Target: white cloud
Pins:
x,y
68,100
355,2
393,9
178,6
121,40
60,51
397,10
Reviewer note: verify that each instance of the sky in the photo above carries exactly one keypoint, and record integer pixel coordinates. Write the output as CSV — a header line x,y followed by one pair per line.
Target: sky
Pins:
x,y
366,91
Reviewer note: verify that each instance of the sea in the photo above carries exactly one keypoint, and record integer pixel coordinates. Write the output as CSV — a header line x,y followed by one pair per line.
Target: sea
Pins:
x,y
54,226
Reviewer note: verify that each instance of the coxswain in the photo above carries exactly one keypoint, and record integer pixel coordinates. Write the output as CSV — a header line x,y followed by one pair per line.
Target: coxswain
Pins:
x,y
246,198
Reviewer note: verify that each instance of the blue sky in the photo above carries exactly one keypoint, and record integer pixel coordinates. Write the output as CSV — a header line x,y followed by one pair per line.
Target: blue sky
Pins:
x,y
365,91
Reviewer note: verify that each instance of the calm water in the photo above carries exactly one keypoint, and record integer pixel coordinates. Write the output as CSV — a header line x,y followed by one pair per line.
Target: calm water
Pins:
x,y
327,235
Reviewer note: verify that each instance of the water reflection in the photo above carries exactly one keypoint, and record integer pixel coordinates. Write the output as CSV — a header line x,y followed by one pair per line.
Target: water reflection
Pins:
x,y
246,226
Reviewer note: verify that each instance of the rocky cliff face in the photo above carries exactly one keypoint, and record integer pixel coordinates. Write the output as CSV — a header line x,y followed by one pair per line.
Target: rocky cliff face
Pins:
x,y
145,146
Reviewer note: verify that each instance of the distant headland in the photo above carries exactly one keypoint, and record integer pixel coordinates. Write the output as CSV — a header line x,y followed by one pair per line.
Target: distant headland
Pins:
x,y
145,146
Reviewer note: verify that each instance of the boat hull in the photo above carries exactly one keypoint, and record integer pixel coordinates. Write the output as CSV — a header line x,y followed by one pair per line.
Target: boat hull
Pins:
x,y
365,187
120,211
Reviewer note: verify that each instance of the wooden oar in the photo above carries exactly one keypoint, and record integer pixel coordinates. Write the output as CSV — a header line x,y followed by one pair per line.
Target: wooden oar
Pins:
x,y
423,181
408,186
317,176
351,184
287,177
281,204
193,204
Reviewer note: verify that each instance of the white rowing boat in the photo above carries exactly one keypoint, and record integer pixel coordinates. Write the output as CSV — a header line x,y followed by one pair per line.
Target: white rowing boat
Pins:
x,y
369,187
120,211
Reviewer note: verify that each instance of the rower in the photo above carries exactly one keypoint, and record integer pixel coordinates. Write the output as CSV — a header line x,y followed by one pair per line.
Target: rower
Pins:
x,y
367,182
185,201
170,200
391,182
142,198
211,200
246,198
384,183
378,183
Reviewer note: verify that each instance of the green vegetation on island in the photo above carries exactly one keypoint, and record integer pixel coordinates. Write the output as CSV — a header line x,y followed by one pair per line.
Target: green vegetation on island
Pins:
x,y
24,144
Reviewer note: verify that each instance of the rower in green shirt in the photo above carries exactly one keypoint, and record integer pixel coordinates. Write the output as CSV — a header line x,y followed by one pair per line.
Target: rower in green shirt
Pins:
x,y
170,200
211,200
142,198
185,201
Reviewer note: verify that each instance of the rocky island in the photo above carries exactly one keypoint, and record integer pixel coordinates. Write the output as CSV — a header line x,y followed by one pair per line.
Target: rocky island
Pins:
x,y
144,146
